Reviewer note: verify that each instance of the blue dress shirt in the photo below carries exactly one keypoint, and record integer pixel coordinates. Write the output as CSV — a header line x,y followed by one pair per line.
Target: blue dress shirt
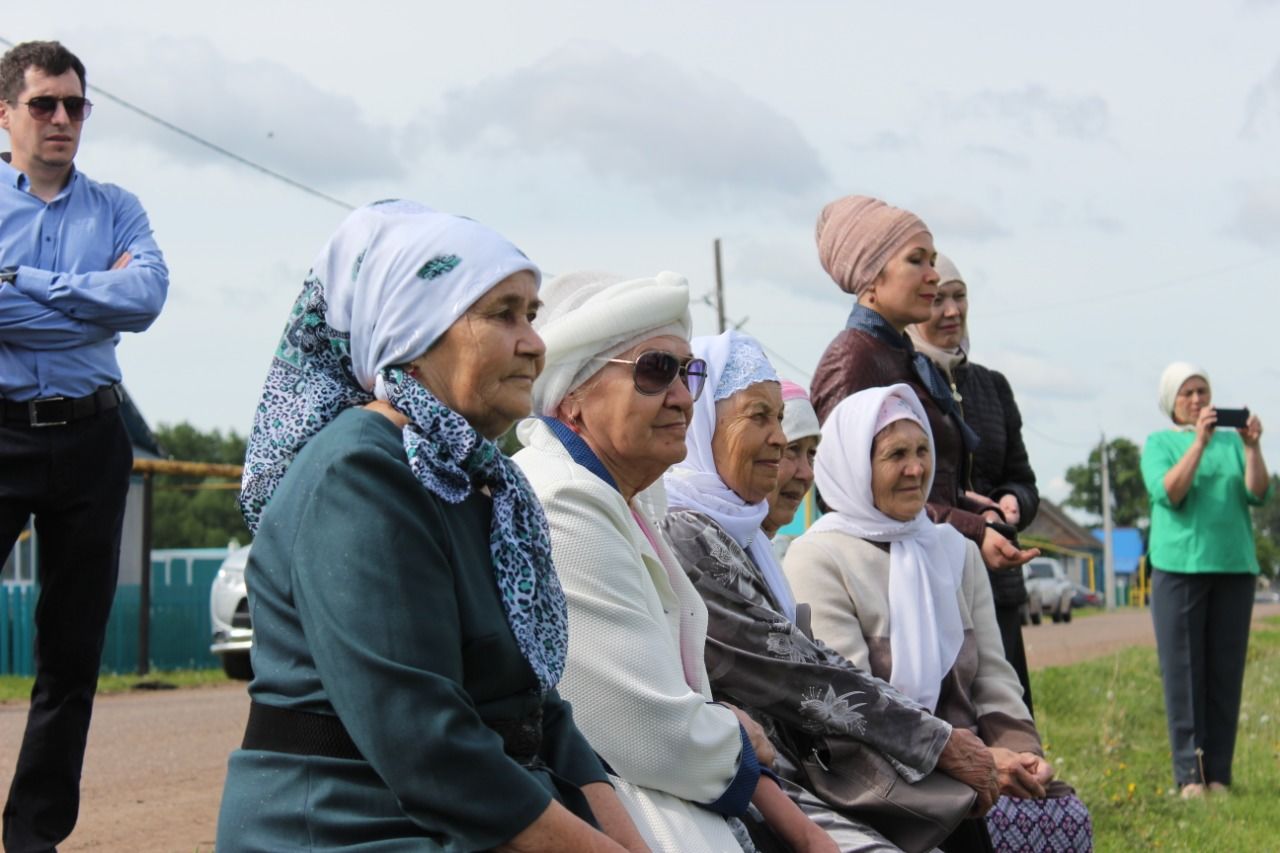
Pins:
x,y
61,317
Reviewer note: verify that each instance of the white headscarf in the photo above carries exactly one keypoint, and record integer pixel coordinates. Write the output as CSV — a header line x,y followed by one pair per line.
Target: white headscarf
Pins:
x,y
734,361
946,359
589,316
388,283
799,420
926,560
1171,380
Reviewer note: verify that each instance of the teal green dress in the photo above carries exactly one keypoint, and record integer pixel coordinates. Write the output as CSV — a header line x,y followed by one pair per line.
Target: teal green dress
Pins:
x,y
374,600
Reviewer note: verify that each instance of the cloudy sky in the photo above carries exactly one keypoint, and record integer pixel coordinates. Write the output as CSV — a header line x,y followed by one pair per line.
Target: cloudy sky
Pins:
x,y
1106,178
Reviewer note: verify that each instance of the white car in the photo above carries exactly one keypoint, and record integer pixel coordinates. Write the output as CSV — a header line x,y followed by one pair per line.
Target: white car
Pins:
x,y
229,610
1048,589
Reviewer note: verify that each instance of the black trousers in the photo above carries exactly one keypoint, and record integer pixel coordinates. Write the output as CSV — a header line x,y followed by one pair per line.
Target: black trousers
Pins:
x,y
1009,618
1202,636
74,479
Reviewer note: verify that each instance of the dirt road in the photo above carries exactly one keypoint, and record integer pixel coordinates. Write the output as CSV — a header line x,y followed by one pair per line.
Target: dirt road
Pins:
x,y
1096,635
153,774
154,769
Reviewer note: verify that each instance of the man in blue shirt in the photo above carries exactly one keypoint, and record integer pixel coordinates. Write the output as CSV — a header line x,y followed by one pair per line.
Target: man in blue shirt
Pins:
x,y
78,266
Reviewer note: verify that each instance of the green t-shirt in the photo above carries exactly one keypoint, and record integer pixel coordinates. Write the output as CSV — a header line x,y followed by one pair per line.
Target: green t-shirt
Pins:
x,y
1210,531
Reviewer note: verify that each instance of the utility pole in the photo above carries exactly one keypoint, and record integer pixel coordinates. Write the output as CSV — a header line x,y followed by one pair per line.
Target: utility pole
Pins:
x,y
1108,557
719,290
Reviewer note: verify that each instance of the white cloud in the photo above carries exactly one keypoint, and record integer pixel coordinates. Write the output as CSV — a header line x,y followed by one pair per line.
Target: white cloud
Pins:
x,y
1034,375
887,140
1257,218
1262,113
789,264
260,110
1056,490
690,137
1036,111
950,218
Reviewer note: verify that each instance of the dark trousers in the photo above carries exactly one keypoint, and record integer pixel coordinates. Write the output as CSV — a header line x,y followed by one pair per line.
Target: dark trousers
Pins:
x,y
1009,618
1202,634
74,479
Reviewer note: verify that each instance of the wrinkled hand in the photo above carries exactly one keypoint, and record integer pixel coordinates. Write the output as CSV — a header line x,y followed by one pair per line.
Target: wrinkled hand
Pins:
x,y
1205,424
122,261
1009,506
967,759
1252,432
760,742
1021,774
999,553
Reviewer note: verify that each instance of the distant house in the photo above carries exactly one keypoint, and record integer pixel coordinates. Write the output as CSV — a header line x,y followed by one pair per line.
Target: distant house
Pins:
x,y
1127,548
19,564
1055,533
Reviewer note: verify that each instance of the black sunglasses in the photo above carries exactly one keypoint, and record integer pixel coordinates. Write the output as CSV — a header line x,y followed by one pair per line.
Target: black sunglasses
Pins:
x,y
654,371
42,107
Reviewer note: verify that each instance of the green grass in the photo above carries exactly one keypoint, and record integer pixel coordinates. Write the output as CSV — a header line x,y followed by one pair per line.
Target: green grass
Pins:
x,y
1103,726
18,687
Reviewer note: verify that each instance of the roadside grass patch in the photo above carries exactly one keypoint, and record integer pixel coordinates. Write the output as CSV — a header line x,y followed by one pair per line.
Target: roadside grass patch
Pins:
x,y
1103,726
14,688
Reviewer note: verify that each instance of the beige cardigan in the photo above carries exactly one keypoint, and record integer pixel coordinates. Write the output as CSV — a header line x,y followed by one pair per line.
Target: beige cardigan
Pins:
x,y
845,580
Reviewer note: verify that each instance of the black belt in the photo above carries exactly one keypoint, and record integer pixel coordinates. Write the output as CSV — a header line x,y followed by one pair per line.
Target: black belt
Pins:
x,y
57,411
294,732
298,733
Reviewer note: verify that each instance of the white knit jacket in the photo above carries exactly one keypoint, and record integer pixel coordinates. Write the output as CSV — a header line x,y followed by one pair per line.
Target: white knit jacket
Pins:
x,y
668,745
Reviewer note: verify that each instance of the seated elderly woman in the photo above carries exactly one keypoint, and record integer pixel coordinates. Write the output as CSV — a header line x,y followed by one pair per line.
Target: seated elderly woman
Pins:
x,y
816,706
409,629
795,468
909,599
615,401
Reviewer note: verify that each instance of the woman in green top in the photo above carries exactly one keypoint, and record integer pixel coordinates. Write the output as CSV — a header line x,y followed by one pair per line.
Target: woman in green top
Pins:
x,y
409,628
1202,482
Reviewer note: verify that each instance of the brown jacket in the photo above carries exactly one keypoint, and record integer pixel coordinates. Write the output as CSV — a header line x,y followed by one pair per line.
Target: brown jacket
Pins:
x,y
855,361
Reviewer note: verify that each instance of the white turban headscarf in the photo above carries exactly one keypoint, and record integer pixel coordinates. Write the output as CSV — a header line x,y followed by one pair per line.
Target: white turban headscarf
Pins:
x,y
926,560
591,316
1171,380
734,361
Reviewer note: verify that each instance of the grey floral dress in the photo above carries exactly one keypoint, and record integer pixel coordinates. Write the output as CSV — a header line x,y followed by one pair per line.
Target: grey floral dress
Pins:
x,y
799,690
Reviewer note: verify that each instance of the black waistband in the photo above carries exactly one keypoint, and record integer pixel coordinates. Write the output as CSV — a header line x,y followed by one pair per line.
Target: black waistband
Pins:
x,y
298,733
305,733
57,411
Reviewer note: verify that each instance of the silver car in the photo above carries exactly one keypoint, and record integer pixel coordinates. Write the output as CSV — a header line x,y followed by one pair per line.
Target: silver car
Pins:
x,y
1047,584
229,610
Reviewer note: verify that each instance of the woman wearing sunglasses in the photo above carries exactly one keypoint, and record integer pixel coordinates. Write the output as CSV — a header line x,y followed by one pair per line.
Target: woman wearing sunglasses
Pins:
x,y
616,398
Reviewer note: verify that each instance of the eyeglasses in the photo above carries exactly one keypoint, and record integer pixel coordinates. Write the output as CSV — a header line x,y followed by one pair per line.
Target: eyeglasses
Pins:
x,y
42,107
654,371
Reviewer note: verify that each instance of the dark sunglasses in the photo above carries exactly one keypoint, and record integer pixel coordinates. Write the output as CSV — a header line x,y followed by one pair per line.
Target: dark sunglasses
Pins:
x,y
42,107
654,371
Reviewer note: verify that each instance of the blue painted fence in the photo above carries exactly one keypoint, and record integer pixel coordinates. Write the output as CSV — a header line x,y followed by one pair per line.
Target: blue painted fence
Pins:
x,y
180,626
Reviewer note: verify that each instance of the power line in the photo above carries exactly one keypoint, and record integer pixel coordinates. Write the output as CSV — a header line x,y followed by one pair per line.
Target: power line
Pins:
x,y
213,146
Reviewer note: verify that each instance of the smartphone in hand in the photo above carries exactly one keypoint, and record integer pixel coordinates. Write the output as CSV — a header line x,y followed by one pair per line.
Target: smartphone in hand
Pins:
x,y
1233,418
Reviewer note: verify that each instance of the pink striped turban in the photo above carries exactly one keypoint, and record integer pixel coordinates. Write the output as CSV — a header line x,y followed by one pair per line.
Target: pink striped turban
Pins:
x,y
858,234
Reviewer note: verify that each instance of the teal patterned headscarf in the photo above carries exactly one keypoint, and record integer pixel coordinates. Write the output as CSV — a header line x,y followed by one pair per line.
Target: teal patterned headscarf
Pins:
x,y
390,281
